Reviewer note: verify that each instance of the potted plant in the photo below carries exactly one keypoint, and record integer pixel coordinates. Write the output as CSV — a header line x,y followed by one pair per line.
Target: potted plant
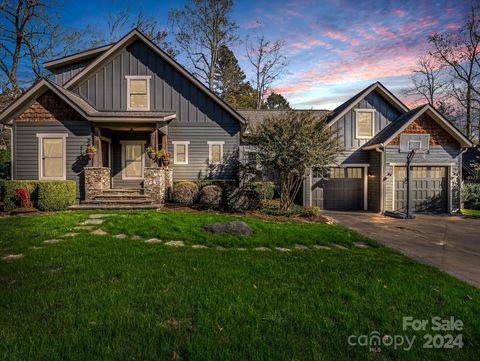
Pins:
x,y
91,151
164,157
151,152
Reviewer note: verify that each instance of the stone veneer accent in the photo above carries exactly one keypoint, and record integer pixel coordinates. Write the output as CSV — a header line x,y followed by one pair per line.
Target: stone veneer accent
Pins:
x,y
157,183
97,180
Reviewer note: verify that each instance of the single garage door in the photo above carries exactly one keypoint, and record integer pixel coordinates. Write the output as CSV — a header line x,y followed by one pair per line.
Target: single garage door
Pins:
x,y
341,189
428,189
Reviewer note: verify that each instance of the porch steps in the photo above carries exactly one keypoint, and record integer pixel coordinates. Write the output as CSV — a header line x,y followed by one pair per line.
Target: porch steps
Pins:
x,y
114,206
119,198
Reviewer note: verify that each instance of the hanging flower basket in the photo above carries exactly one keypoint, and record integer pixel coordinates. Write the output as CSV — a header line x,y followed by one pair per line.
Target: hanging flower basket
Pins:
x,y
91,151
151,153
164,157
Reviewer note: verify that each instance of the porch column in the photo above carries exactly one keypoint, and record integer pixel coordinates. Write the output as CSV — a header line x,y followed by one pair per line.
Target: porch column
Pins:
x,y
154,145
97,143
164,137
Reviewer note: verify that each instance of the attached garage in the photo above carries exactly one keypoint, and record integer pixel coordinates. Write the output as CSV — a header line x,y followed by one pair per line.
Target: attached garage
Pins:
x,y
341,189
428,189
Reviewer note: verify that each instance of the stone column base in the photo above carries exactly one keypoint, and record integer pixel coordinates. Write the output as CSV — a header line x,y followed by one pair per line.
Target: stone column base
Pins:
x,y
97,180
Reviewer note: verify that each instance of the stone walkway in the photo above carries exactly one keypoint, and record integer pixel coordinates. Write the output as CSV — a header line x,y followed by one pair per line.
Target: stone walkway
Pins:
x,y
96,220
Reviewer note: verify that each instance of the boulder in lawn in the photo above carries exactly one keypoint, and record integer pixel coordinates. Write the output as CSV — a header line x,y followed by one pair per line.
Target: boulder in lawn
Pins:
x,y
235,227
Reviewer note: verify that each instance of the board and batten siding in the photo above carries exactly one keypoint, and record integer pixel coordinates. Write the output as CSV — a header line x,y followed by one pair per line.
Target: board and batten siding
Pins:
x,y
65,73
26,147
199,118
446,156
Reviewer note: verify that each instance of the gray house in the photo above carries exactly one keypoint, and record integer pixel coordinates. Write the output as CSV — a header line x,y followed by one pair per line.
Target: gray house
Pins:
x,y
128,95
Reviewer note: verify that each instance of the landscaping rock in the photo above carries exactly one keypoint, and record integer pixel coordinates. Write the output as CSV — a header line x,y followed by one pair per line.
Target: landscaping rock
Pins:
x,y
153,240
262,249
53,241
175,244
281,249
301,247
120,236
12,257
199,246
235,227
339,246
98,216
99,232
318,246
72,234
93,221
361,245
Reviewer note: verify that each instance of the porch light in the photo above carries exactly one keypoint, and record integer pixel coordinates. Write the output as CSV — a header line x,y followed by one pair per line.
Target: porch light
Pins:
x,y
131,130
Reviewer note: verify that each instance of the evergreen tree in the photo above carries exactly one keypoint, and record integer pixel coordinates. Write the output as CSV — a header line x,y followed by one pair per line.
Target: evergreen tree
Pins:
x,y
277,101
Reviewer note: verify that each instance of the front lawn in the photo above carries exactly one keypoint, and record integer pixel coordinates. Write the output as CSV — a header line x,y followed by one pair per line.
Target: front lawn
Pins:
x,y
97,297
471,212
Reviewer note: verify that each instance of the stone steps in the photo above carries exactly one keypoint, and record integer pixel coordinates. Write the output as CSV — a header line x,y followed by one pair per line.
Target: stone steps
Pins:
x,y
118,201
119,198
113,196
88,206
124,191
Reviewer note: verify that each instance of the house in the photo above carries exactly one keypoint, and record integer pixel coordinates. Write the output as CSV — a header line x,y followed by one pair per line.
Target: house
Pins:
x,y
128,95
121,98
377,132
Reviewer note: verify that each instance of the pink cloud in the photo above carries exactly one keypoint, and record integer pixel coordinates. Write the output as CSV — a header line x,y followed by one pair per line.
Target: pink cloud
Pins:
x,y
308,42
336,35
384,31
399,12
453,26
253,24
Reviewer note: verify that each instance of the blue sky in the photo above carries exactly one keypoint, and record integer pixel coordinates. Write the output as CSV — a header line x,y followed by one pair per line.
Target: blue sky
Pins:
x,y
334,47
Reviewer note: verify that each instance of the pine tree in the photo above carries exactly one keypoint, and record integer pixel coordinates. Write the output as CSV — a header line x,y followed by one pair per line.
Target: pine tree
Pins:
x,y
277,101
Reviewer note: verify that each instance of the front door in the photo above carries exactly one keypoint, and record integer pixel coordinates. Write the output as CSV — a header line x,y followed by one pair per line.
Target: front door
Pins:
x,y
132,160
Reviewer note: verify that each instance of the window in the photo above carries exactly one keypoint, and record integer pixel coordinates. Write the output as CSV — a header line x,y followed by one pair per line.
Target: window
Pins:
x,y
354,172
365,123
215,152
133,158
138,92
52,156
180,152
337,172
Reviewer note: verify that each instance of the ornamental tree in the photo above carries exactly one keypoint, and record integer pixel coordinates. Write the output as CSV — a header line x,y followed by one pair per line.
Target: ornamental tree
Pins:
x,y
289,145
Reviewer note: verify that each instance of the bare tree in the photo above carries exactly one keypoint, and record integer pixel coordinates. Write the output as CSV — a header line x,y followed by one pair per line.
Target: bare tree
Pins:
x,y
27,33
200,28
267,61
428,81
459,52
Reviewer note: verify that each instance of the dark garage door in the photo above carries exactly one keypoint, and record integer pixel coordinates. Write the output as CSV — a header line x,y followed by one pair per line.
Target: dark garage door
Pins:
x,y
340,190
428,189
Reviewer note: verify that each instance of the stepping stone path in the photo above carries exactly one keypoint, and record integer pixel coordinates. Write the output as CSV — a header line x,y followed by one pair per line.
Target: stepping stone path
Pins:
x,y
53,241
12,257
241,249
220,248
199,246
262,249
35,248
301,247
99,232
318,246
153,240
93,221
99,216
120,236
70,234
175,244
339,246
281,249
136,238
361,245
84,228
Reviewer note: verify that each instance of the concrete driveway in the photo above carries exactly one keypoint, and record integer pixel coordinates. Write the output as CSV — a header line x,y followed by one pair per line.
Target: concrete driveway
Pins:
x,y
451,243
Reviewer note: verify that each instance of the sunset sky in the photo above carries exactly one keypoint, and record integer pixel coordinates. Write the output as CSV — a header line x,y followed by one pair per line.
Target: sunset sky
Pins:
x,y
334,47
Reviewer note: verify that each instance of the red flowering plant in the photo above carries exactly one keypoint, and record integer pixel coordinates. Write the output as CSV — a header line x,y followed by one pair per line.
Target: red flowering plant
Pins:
x,y
24,196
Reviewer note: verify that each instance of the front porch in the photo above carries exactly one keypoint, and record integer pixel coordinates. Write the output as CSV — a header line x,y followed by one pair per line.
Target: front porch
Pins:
x,y
121,175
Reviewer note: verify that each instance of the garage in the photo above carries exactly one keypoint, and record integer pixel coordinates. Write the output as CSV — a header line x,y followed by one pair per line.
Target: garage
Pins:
x,y
428,189
341,189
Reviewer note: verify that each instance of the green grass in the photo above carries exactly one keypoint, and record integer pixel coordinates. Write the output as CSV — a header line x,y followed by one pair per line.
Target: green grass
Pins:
x,y
102,298
471,212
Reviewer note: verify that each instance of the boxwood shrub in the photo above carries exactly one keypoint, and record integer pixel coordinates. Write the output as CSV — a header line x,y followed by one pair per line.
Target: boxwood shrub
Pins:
x,y
55,195
265,189
471,195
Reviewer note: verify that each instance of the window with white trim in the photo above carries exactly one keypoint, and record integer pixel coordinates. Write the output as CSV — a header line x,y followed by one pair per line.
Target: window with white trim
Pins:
x,y
52,151
365,123
138,92
215,152
180,152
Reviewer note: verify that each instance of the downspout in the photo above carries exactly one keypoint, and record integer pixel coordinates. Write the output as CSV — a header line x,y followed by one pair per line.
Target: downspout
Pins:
x,y
382,181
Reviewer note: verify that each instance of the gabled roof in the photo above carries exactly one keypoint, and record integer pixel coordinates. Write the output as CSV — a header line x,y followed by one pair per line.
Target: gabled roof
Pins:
x,y
128,39
77,57
385,136
78,104
344,108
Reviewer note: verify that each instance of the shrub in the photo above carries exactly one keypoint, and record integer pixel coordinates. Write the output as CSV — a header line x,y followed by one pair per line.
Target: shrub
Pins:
x,y
266,189
185,193
241,200
56,195
294,210
310,211
210,196
471,195
61,191
24,196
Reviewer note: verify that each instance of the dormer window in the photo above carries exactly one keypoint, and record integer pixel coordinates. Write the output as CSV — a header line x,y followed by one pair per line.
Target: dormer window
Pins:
x,y
365,123
138,92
